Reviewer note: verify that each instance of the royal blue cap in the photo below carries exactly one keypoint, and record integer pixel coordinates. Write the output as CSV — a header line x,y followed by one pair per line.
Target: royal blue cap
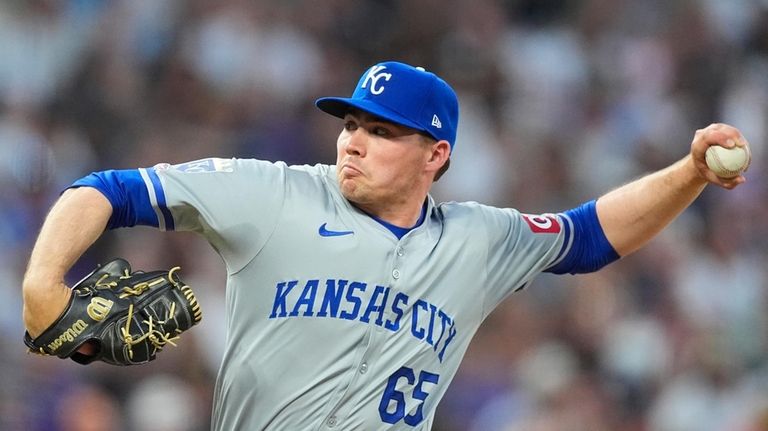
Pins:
x,y
403,94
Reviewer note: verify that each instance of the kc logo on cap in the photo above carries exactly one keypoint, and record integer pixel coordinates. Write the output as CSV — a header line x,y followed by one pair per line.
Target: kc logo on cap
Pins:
x,y
372,77
402,94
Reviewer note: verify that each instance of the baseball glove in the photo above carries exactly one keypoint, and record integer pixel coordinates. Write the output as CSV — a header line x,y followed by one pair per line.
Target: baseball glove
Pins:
x,y
128,316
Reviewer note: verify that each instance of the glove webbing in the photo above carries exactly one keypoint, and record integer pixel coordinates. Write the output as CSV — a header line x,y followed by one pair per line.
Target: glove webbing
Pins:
x,y
157,338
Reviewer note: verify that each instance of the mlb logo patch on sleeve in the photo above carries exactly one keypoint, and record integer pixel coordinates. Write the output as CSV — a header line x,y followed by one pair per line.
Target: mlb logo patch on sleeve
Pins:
x,y
543,223
205,166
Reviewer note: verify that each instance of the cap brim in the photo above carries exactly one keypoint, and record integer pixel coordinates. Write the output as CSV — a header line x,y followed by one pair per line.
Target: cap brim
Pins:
x,y
340,106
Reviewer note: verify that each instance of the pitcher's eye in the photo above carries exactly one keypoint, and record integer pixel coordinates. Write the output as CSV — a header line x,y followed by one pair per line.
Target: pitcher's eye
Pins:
x,y
381,131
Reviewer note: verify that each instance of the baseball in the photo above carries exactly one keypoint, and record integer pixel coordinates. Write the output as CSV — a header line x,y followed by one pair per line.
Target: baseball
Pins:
x,y
728,162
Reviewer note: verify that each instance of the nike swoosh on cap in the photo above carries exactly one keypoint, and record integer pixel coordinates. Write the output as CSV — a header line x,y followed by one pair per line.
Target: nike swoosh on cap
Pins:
x,y
323,231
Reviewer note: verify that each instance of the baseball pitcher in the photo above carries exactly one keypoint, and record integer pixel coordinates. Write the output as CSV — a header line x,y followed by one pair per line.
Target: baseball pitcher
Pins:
x,y
351,294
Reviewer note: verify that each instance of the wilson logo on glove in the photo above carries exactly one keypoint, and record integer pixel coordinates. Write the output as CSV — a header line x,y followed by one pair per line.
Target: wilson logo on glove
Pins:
x,y
68,336
134,314
99,308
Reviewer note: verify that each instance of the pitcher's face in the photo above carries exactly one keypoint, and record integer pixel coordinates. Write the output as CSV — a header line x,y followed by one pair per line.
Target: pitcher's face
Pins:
x,y
379,162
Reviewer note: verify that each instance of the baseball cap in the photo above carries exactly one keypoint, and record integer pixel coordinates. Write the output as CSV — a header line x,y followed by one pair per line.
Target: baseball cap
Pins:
x,y
403,94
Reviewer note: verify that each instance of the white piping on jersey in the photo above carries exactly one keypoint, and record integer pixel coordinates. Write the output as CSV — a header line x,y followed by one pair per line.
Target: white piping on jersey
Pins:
x,y
153,198
566,246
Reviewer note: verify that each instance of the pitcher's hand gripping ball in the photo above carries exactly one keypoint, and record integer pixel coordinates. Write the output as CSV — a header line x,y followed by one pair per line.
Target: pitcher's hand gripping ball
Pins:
x,y
128,316
728,162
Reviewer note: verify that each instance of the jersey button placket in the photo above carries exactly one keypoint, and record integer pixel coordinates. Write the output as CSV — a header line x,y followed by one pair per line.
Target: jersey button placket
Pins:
x,y
399,252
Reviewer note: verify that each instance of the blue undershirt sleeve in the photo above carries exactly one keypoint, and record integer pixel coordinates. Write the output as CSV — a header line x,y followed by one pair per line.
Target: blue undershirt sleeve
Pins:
x,y
127,191
590,250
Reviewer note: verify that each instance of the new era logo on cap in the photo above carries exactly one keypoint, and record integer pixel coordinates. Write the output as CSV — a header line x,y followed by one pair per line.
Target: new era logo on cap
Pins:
x,y
402,94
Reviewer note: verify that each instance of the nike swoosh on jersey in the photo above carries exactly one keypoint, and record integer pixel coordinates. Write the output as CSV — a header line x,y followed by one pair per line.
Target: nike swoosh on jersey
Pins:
x,y
325,232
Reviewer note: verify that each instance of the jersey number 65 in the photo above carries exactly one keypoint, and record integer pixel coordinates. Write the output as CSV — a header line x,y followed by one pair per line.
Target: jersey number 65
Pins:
x,y
392,405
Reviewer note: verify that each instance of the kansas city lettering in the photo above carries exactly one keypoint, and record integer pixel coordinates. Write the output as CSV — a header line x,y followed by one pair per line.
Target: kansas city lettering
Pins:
x,y
346,299
68,336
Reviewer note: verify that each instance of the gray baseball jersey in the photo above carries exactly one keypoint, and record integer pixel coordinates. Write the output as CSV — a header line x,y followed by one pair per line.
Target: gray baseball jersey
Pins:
x,y
333,323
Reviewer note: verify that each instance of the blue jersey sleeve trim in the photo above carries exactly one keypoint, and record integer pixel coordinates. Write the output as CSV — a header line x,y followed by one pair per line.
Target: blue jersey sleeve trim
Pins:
x,y
129,195
590,249
568,238
157,198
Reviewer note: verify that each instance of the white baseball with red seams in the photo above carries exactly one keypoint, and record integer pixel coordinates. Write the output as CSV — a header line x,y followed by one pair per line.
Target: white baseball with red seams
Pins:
x,y
728,162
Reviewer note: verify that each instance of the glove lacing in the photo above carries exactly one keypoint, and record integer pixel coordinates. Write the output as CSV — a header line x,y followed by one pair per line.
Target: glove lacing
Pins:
x,y
157,338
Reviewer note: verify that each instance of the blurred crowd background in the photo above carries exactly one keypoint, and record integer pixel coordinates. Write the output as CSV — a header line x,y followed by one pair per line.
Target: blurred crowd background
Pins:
x,y
561,100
